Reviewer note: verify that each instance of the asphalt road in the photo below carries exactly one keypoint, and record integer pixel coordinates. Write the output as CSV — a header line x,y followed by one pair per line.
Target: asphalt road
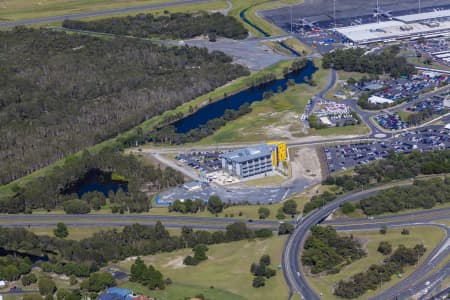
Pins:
x,y
294,245
99,13
93,219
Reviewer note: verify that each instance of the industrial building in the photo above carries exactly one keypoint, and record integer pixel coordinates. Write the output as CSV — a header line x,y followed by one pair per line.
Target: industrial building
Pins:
x,y
256,160
430,24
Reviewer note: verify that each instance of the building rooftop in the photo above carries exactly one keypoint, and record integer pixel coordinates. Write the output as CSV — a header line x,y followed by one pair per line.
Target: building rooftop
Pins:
x,y
374,32
119,291
249,153
379,100
425,16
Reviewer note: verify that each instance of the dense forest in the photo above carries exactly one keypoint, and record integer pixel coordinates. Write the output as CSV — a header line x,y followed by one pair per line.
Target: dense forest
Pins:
x,y
60,93
173,26
422,194
396,166
49,191
358,284
326,251
354,60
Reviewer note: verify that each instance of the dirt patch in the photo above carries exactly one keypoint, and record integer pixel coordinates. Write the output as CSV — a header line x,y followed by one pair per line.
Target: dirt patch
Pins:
x,y
176,263
306,164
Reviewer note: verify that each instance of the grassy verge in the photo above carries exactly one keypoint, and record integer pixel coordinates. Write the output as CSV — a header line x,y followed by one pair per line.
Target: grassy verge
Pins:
x,y
266,181
346,130
227,270
75,233
429,236
404,115
252,13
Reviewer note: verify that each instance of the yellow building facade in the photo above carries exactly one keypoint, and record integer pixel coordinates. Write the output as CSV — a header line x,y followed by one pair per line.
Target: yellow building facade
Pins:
x,y
280,154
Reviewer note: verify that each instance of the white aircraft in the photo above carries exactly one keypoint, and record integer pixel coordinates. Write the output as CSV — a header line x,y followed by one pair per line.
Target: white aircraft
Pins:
x,y
302,22
384,13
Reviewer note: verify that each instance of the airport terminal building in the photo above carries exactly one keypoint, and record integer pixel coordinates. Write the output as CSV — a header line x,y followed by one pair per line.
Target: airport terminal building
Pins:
x,y
427,25
252,161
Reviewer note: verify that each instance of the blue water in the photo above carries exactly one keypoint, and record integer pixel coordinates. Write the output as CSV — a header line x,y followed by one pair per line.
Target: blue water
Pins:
x,y
103,187
250,95
96,181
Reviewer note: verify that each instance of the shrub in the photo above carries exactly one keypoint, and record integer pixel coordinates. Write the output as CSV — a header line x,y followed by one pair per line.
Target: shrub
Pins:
x,y
348,208
290,207
285,228
76,207
263,212
384,248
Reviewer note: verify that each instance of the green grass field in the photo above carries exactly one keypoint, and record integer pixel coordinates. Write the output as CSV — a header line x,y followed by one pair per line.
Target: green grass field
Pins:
x,y
11,10
429,236
227,270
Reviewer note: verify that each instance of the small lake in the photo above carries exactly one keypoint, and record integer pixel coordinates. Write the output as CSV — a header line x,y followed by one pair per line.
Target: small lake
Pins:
x,y
250,95
97,181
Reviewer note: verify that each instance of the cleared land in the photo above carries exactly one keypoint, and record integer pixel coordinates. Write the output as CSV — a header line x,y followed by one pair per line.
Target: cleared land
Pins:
x,y
429,236
227,270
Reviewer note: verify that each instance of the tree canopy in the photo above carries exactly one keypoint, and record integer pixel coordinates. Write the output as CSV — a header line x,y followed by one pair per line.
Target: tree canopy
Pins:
x,y
60,93
173,26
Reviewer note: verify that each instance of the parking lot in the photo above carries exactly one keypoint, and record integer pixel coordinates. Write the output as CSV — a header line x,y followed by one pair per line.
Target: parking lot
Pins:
x,y
205,162
252,52
342,157
403,89
438,49
391,121
336,114
227,195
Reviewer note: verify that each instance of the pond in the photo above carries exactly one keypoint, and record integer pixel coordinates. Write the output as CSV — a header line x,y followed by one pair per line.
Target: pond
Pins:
x,y
250,95
96,181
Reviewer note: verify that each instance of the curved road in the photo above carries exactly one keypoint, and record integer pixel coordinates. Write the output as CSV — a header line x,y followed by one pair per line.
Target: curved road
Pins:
x,y
99,13
296,279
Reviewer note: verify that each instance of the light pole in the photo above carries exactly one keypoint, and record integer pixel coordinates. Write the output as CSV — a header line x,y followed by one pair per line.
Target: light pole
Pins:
x,y
334,13
420,6
291,20
378,12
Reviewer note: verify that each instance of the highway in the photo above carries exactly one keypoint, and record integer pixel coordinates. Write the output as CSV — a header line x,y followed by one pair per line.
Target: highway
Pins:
x,y
100,13
290,261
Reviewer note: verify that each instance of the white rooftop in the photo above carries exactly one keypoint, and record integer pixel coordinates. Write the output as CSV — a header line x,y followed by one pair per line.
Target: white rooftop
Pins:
x,y
425,16
373,32
379,100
